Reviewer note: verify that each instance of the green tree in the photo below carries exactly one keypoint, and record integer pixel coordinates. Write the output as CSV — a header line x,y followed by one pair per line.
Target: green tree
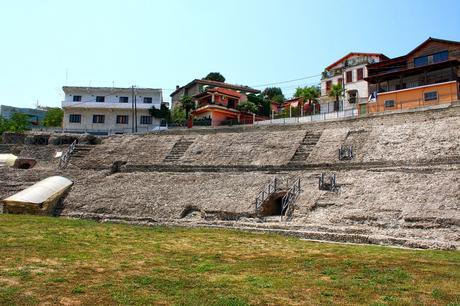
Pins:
x,y
53,117
18,122
178,115
215,76
336,92
247,106
4,124
262,104
162,113
279,99
307,93
187,104
273,94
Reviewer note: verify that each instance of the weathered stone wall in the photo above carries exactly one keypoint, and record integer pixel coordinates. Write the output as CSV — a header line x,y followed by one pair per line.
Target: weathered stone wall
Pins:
x,y
403,188
135,149
257,148
401,137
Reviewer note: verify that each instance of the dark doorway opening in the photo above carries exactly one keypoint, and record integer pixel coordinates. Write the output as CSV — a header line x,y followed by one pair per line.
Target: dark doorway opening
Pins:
x,y
274,205
24,166
24,163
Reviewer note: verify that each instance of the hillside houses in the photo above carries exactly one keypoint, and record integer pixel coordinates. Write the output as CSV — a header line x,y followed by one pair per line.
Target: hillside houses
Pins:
x,y
368,82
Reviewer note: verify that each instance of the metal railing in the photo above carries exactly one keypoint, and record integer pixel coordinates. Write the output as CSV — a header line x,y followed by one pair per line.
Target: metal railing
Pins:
x,y
64,160
268,190
353,112
289,199
96,130
329,186
345,153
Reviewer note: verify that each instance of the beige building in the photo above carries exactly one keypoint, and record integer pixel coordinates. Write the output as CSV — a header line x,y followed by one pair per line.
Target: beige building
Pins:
x,y
110,110
350,71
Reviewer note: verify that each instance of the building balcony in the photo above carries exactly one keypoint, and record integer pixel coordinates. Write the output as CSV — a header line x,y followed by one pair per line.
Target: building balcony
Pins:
x,y
107,105
409,69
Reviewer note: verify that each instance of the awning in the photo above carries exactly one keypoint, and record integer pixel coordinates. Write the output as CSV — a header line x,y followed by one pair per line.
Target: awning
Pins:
x,y
7,160
42,191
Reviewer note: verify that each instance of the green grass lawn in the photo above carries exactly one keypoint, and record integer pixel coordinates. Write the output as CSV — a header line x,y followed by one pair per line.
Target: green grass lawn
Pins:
x,y
71,262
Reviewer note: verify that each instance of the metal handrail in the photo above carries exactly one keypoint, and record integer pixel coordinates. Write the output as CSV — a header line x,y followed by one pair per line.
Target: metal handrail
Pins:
x,y
332,186
346,152
64,160
268,190
290,197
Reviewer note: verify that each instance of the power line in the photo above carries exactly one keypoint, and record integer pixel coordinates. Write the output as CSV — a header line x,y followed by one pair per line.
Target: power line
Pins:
x,y
288,81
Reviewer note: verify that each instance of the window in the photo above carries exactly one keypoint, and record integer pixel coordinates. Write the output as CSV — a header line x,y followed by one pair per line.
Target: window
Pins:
x,y
98,118
389,103
421,61
146,119
73,118
352,96
328,86
349,76
441,56
430,96
340,81
147,99
123,99
122,119
100,99
360,74
76,98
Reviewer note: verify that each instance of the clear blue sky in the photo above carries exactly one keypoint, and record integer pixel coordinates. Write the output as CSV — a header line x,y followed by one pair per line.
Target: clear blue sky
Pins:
x,y
164,43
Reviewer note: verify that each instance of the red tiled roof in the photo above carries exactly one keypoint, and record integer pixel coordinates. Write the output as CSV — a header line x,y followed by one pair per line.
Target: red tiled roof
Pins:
x,y
225,91
218,84
355,54
217,108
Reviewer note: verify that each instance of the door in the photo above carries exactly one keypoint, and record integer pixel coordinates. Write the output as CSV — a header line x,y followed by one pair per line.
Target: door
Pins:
x,y
362,109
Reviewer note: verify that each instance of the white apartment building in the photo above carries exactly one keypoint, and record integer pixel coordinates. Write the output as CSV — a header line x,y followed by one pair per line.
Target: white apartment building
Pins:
x,y
109,110
351,72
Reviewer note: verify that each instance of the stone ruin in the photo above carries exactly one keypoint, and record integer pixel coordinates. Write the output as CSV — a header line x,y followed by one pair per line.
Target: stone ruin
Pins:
x,y
400,186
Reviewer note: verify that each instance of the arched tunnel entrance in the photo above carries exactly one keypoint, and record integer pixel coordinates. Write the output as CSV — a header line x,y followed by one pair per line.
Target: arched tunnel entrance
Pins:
x,y
273,206
24,163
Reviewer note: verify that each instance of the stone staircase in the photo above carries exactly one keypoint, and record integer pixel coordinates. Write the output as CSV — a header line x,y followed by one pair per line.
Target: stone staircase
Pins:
x,y
304,149
178,150
5,148
80,152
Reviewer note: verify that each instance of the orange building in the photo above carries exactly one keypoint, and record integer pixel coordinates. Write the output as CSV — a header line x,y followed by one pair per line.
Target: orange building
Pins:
x,y
428,75
218,105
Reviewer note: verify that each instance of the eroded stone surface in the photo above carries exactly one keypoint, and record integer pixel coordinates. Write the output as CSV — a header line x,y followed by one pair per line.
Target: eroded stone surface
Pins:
x,y
403,189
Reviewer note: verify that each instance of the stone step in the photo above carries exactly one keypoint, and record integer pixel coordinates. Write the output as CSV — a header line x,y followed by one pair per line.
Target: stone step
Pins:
x,y
5,148
178,150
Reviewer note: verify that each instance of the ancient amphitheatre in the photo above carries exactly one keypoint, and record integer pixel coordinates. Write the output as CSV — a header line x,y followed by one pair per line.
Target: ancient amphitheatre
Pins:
x,y
401,188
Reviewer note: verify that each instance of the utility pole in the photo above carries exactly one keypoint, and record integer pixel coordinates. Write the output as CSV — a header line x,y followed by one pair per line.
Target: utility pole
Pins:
x,y
132,109
135,111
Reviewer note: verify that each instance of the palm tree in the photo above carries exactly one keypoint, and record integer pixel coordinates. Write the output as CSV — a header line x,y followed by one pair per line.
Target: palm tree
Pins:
x,y
310,94
336,92
187,104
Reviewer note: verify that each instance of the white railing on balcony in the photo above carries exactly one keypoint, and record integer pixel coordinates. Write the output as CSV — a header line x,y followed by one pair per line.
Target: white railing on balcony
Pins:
x,y
108,105
311,118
